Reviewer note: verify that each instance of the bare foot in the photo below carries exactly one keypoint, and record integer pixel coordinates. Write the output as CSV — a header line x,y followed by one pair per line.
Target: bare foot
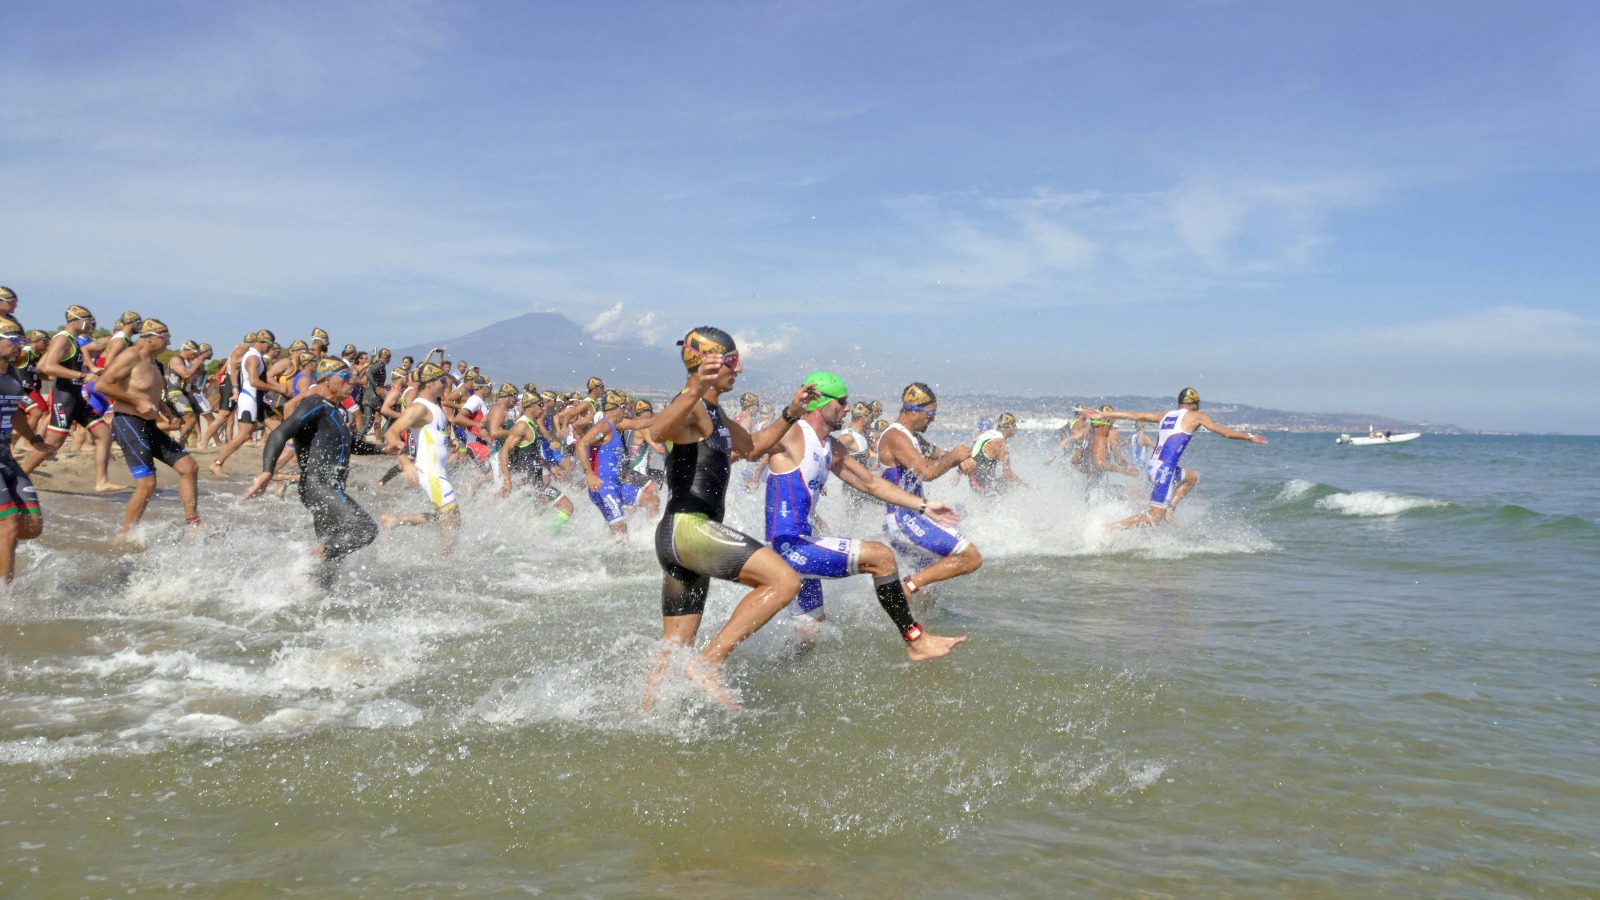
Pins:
x,y
387,523
932,646
705,678
110,487
215,467
127,542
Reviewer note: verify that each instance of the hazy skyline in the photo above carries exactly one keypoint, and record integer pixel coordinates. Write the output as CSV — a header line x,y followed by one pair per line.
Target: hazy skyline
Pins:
x,y
1371,207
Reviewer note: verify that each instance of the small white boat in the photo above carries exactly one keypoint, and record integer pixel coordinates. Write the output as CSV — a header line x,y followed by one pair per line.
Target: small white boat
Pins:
x,y
1378,439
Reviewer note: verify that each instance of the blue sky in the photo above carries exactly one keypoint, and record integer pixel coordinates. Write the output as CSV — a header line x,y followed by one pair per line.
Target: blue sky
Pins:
x,y
1381,207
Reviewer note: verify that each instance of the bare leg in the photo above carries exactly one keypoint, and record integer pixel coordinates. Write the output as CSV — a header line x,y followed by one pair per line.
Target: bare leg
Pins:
x,y
877,560
189,491
101,432
241,435
952,566
8,546
143,489
52,439
677,632
773,585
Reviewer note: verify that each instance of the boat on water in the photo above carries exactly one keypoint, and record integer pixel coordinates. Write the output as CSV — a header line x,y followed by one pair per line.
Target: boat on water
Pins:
x,y
1378,437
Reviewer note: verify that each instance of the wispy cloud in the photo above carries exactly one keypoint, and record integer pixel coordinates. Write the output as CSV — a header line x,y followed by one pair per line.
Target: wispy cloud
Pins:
x,y
615,324
1502,333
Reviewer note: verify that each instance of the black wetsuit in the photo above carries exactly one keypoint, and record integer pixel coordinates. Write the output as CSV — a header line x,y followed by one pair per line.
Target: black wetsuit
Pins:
x,y
322,445
17,494
692,544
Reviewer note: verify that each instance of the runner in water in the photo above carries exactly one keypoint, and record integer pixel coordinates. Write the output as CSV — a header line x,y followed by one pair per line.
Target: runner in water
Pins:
x,y
250,405
603,454
1173,483
799,468
134,384
433,454
20,517
909,460
521,457
323,444
991,456
63,361
692,544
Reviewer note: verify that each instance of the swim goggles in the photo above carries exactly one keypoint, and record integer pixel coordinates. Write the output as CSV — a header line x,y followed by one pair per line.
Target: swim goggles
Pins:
x,y
931,413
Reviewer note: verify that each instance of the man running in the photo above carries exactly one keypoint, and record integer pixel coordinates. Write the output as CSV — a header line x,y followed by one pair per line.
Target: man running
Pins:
x,y
63,361
20,518
323,444
134,384
991,457
909,460
603,455
1173,483
433,453
251,405
799,467
692,544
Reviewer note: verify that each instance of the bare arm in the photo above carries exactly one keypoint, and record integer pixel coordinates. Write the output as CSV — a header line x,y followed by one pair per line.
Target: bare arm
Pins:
x,y
50,364
394,438
1204,421
755,446
857,476
1114,414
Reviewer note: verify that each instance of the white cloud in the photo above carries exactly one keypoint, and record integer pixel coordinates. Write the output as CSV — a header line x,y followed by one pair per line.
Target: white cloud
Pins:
x,y
754,345
614,325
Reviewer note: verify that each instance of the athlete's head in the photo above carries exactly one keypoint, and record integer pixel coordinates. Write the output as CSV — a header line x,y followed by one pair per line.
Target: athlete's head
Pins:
x,y
877,408
614,399
985,423
317,334
128,322
38,339
593,385
1189,397
7,295
12,338
296,346
79,319
642,408
430,375
748,400
1008,422
707,342
383,354
331,374
303,358
832,400
265,336
348,351
507,391
919,402
154,330
861,411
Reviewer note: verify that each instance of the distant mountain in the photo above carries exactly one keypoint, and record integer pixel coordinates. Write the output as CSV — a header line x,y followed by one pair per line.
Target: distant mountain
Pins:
x,y
553,351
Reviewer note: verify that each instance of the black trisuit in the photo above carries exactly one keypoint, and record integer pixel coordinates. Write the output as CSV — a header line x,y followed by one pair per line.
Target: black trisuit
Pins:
x,y
322,445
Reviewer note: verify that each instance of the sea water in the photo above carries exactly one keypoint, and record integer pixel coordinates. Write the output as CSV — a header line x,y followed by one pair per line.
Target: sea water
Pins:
x,y
1345,671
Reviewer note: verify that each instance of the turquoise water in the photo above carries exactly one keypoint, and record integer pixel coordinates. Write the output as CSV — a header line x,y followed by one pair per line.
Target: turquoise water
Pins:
x,y
1347,671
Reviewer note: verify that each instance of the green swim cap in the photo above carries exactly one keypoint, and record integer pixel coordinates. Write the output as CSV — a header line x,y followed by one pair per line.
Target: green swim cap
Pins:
x,y
830,386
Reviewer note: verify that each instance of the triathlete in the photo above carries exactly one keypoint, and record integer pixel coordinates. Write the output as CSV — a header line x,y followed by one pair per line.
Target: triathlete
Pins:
x,y
433,453
20,518
63,361
134,383
909,460
991,457
520,459
250,412
800,465
323,444
27,363
1103,455
1173,483
603,454
692,544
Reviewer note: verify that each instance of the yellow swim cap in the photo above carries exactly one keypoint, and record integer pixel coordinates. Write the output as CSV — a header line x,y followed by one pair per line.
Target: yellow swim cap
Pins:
x,y
703,343
1188,397
917,394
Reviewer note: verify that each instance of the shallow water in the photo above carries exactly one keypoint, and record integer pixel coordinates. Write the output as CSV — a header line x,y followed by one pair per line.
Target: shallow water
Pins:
x,y
1347,671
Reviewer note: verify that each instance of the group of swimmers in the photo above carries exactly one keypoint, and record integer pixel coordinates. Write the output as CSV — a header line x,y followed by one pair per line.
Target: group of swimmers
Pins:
x,y
319,409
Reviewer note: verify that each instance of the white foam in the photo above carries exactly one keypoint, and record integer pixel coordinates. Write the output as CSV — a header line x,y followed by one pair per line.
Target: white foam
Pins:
x,y
388,713
1295,489
1376,503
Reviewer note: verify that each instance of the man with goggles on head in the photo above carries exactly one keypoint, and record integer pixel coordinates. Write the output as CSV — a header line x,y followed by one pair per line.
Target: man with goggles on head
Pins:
x,y
134,382
800,466
64,361
909,460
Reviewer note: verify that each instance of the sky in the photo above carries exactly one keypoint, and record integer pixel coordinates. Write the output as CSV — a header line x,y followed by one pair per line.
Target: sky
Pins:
x,y
1376,207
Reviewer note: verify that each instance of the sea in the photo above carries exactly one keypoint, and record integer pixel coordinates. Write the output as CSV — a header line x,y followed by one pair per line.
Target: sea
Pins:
x,y
1344,671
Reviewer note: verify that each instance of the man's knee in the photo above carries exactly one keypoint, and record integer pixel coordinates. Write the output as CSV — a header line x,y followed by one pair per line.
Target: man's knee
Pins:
x,y
970,558
876,558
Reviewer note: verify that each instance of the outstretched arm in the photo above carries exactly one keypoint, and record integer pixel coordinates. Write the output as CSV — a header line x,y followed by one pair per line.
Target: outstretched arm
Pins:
x,y
1229,433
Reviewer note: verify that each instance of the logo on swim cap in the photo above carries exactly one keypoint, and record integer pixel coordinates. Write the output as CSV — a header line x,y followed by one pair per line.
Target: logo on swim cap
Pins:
x,y
265,336
830,387
861,410
7,293
129,318
303,358
205,348
594,383
189,347
1188,396
703,343
152,328
78,313
9,327
349,350
1007,420
749,399
614,399
642,407
877,407
917,394
317,334
37,335
297,346
507,390
327,367
428,372
530,388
